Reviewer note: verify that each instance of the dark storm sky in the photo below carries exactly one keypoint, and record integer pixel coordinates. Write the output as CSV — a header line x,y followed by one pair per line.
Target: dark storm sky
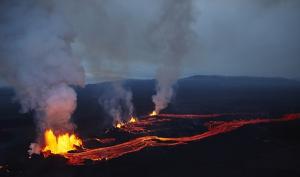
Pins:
x,y
111,38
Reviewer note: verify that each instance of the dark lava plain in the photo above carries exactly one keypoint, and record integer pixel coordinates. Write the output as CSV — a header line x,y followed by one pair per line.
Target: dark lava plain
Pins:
x,y
254,150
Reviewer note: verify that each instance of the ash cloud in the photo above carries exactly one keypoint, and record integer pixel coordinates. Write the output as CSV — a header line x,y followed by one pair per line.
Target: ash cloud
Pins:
x,y
111,37
134,38
236,37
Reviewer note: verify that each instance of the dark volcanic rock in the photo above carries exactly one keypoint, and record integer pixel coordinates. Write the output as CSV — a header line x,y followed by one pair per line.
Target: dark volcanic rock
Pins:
x,y
255,150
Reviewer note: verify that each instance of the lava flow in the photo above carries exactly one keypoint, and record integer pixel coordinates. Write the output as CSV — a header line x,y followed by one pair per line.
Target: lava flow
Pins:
x,y
60,144
136,144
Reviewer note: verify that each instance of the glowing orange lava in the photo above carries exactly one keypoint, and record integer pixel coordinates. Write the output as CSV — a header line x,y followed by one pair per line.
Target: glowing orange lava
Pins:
x,y
153,113
60,144
138,143
132,120
119,125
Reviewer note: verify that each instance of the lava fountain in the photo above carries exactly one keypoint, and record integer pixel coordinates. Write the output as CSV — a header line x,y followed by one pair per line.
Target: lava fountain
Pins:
x,y
153,113
60,144
120,124
132,120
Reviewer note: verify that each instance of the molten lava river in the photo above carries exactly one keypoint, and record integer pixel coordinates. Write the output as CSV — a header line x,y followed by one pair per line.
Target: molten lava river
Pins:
x,y
150,131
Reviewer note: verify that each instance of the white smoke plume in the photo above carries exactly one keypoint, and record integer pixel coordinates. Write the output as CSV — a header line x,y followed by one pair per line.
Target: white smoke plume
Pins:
x,y
37,60
104,35
57,107
173,33
117,102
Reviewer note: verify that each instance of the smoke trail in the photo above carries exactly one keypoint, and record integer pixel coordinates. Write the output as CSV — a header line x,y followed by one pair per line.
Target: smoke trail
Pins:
x,y
57,105
173,32
36,59
104,42
116,101
49,37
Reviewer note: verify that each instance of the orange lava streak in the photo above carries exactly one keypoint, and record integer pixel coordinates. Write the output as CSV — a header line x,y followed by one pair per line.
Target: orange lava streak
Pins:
x,y
110,152
193,116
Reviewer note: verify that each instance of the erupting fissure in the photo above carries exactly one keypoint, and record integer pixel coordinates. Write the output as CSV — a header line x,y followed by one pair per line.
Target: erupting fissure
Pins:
x,y
64,143
121,124
153,113
60,144
132,120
